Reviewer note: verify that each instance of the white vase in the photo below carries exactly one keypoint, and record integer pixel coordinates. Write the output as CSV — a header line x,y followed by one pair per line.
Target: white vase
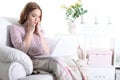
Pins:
x,y
72,27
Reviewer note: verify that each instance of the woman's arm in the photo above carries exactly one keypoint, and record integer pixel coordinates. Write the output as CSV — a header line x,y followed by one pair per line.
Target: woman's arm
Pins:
x,y
43,41
30,28
44,44
20,41
27,41
16,37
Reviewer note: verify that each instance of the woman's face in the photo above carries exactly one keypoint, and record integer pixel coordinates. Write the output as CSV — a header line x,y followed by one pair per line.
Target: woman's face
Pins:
x,y
34,16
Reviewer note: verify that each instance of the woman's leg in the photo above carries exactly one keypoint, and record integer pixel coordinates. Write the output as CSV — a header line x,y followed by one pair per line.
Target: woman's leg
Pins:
x,y
41,64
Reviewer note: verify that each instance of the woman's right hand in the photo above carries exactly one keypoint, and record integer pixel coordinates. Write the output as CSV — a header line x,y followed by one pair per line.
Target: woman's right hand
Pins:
x,y
30,26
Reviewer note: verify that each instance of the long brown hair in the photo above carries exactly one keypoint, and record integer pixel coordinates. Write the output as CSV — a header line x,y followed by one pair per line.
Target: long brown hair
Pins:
x,y
27,9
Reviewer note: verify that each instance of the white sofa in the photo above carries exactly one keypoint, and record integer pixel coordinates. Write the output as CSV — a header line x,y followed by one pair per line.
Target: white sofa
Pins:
x,y
14,64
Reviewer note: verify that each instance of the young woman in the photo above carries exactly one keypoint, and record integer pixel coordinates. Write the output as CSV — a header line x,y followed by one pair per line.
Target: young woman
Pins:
x,y
28,37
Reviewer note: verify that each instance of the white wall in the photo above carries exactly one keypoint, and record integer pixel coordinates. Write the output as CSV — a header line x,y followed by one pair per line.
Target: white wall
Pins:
x,y
99,11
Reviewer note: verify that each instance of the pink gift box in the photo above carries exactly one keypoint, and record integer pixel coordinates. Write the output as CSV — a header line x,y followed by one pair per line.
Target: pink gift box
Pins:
x,y
100,57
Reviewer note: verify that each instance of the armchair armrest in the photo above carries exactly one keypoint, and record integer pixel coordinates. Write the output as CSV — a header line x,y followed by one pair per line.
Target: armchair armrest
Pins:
x,y
11,71
9,55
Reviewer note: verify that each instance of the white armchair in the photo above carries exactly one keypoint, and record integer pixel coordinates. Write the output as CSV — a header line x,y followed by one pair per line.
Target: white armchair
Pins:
x,y
15,64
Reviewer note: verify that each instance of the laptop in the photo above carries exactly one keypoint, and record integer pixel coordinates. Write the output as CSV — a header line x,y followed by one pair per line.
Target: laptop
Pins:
x,y
66,46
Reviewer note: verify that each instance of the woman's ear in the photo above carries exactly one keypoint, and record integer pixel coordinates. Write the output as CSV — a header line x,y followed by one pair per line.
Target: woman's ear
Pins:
x,y
25,18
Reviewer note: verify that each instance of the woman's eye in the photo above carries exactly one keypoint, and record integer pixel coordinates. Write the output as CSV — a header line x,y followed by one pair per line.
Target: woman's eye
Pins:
x,y
33,15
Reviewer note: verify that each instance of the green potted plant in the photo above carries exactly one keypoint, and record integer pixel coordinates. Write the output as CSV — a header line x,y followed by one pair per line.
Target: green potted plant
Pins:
x,y
73,12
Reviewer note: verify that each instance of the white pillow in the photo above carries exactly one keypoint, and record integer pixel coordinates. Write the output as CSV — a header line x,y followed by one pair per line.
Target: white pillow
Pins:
x,y
8,54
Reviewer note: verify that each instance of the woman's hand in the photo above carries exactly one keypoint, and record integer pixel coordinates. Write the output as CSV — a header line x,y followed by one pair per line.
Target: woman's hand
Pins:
x,y
37,30
30,26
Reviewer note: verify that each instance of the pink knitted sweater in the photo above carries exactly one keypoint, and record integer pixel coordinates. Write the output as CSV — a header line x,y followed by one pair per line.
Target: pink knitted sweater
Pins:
x,y
17,34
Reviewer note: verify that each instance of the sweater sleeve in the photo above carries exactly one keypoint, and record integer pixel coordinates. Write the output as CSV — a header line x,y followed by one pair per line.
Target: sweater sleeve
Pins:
x,y
16,35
